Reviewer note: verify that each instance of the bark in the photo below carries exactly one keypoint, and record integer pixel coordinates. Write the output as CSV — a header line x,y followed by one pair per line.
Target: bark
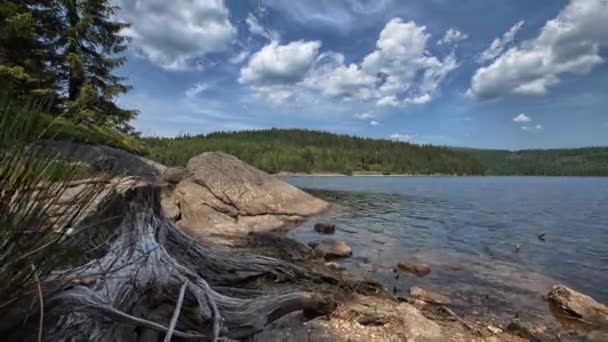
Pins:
x,y
130,293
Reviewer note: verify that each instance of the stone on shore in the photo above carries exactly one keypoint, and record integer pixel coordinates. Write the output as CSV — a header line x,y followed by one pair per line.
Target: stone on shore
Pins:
x,y
420,270
325,228
429,296
578,306
330,249
221,197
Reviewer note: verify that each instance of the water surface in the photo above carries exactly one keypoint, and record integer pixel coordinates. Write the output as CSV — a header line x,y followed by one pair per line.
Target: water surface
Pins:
x,y
478,234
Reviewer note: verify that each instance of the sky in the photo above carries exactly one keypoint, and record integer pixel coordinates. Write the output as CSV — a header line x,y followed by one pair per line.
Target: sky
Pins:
x,y
515,74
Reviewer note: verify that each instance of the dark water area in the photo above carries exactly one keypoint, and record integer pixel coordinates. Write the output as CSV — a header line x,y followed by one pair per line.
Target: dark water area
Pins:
x,y
478,234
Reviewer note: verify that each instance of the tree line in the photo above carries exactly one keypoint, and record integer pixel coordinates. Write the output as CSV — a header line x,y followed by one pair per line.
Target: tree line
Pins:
x,y
65,52
300,150
588,161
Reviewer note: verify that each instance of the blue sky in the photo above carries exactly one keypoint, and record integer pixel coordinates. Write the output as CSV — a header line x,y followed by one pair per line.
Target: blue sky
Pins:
x,y
478,73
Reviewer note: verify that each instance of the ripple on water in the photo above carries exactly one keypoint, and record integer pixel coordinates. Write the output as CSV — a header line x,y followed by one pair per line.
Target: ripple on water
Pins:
x,y
469,230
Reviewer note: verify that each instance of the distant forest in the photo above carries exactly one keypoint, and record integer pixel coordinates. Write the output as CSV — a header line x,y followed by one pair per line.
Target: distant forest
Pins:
x,y
588,161
299,150
306,151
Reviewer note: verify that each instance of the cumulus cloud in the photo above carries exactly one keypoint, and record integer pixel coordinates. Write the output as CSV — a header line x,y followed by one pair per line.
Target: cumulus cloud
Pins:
x,y
280,64
402,137
522,118
569,43
257,29
499,44
374,123
452,36
400,71
174,34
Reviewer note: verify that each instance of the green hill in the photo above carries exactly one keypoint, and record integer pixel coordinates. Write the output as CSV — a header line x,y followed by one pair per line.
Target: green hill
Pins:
x,y
588,161
299,150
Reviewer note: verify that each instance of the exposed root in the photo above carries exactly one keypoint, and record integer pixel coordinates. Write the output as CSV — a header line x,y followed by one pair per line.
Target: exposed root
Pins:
x,y
132,288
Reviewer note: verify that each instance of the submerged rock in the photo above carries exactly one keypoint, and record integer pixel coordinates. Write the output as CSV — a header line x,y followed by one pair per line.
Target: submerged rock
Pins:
x,y
420,270
578,306
330,249
325,228
429,296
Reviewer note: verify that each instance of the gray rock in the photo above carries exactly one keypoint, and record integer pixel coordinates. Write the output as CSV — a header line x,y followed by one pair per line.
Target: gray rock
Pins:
x,y
105,159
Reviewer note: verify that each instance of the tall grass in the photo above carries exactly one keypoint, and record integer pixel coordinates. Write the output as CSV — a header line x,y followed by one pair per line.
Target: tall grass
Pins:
x,y
36,216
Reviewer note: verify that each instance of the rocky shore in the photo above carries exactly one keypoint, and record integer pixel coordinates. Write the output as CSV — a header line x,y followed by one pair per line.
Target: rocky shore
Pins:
x,y
219,199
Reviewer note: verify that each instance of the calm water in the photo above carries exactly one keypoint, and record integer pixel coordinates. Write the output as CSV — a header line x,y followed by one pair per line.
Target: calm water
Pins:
x,y
467,229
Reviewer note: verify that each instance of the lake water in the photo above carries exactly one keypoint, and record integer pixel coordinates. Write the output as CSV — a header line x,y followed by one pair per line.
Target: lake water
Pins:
x,y
468,230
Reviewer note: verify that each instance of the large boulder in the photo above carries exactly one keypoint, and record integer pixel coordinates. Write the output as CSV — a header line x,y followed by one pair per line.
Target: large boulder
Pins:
x,y
579,306
221,196
105,159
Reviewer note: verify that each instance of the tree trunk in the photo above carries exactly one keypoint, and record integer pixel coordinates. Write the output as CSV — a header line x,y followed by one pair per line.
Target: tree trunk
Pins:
x,y
131,292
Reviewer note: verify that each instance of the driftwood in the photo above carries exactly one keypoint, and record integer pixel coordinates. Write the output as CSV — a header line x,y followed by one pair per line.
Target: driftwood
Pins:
x,y
131,292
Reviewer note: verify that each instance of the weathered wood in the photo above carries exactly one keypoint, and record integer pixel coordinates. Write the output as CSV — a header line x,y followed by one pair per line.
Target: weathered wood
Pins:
x,y
131,290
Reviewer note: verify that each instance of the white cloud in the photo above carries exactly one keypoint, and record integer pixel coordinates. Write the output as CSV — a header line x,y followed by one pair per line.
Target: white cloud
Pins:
x,y
196,89
257,29
374,123
365,115
174,34
240,57
402,137
452,36
522,118
569,43
401,71
388,101
532,128
280,64
499,44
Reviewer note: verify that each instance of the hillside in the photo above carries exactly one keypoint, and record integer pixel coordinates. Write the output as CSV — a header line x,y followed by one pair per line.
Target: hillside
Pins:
x,y
589,161
299,150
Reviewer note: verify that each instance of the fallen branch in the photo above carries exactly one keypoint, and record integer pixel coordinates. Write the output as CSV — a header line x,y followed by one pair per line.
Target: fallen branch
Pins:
x,y
178,308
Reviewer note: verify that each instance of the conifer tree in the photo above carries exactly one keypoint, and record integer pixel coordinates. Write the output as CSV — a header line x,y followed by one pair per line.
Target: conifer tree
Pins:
x,y
93,45
28,57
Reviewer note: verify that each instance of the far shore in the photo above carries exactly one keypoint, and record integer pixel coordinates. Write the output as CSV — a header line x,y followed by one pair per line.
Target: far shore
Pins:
x,y
367,174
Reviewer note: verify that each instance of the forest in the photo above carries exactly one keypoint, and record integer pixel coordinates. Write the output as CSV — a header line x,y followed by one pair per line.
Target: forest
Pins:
x,y
588,161
306,151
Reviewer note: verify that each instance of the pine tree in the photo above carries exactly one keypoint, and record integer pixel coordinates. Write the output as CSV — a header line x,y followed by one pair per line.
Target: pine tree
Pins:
x,y
92,54
28,59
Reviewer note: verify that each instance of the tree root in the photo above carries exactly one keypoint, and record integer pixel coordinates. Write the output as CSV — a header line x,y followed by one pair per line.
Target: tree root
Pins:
x,y
133,288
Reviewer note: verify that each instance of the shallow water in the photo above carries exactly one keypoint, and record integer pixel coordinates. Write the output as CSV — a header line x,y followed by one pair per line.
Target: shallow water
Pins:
x,y
468,229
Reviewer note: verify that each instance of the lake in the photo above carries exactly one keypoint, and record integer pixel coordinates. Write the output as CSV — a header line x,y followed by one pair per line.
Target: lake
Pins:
x,y
478,234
